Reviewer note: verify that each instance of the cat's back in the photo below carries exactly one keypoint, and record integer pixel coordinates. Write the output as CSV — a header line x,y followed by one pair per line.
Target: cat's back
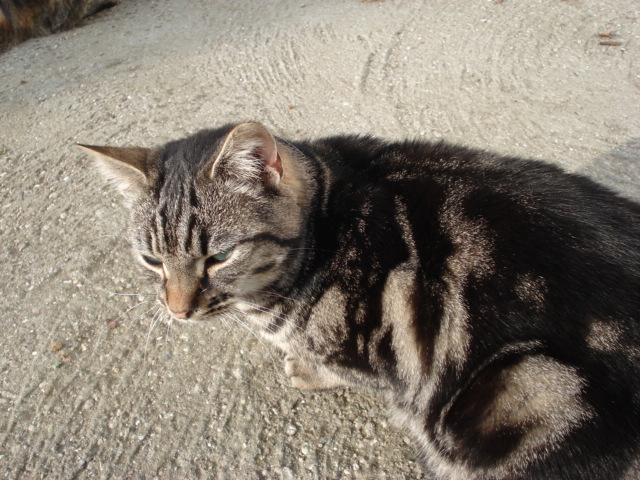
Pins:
x,y
523,199
508,273
554,251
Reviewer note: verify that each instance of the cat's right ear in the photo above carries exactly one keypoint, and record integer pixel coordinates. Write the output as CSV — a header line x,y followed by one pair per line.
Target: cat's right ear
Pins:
x,y
126,168
248,158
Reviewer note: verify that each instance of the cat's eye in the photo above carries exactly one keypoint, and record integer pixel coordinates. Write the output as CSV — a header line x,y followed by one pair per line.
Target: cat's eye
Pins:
x,y
152,261
218,257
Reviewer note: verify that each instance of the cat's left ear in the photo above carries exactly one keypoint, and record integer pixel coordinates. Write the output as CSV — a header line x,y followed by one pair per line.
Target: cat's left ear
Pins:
x,y
127,168
249,157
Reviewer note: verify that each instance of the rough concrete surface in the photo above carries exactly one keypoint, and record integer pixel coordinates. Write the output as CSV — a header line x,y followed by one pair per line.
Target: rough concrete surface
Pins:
x,y
89,386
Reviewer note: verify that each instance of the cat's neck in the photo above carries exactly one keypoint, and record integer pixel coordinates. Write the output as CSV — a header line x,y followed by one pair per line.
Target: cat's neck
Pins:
x,y
300,180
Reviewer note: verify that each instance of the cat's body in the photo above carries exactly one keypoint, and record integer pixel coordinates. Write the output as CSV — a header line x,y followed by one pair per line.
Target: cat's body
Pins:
x,y
23,19
493,302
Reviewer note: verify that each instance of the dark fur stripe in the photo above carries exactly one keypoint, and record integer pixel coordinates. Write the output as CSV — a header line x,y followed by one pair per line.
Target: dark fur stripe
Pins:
x,y
270,238
204,242
264,268
187,246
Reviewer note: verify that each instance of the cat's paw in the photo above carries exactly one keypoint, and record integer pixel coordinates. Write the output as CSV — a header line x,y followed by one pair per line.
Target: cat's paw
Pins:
x,y
306,376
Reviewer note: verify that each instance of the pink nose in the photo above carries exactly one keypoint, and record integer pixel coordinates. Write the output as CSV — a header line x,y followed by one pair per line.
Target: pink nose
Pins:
x,y
182,315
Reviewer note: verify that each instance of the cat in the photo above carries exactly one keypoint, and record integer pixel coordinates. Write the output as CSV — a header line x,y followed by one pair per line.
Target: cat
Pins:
x,y
23,19
493,302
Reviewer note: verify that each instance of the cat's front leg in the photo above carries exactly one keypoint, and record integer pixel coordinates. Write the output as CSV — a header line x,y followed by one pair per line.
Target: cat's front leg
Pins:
x,y
305,375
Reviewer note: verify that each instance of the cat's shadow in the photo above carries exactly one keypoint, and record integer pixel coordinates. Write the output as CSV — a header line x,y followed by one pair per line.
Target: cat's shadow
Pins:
x,y
618,169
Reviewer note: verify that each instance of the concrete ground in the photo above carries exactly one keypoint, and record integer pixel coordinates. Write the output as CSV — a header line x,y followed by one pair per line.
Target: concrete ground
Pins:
x,y
88,387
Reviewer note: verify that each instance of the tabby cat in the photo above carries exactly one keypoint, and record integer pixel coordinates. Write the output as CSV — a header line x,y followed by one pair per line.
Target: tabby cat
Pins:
x,y
23,19
493,302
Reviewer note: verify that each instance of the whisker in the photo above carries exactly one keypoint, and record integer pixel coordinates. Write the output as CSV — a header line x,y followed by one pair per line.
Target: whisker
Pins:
x,y
231,330
312,249
250,330
277,295
261,322
100,288
169,328
116,294
107,235
258,320
264,309
136,305
241,323
274,314
155,305
155,320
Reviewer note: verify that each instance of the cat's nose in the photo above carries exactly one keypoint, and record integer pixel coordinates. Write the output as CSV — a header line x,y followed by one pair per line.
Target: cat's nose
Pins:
x,y
181,315
181,291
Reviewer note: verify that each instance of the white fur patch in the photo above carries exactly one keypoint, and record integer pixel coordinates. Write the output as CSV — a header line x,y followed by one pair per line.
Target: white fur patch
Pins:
x,y
472,255
532,290
604,337
395,312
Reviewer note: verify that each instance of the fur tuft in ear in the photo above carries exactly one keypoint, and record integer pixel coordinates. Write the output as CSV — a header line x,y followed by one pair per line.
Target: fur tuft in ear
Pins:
x,y
127,168
249,158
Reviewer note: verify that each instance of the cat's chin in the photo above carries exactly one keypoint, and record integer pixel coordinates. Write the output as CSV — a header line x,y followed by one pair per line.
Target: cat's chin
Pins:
x,y
200,318
186,321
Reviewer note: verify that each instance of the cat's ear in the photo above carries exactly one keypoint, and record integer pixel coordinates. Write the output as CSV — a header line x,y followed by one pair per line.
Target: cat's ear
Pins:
x,y
127,168
249,157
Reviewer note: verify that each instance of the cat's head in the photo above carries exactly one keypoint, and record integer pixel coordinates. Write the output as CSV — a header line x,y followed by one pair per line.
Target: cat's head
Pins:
x,y
215,218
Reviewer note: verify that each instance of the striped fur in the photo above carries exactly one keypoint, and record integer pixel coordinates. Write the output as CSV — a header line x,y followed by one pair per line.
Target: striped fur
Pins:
x,y
493,302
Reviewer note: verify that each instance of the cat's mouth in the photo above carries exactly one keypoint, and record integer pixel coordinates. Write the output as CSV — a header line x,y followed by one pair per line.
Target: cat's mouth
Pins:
x,y
199,314
241,313
197,310
184,321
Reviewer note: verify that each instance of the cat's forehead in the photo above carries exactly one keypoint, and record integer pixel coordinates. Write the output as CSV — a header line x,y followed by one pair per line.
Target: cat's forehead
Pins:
x,y
188,156
177,229
194,203
181,179
191,219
